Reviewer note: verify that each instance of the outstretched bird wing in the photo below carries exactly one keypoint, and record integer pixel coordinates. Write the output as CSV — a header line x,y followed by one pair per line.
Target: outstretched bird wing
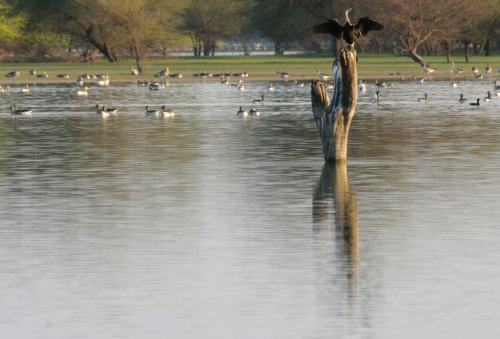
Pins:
x,y
330,27
364,25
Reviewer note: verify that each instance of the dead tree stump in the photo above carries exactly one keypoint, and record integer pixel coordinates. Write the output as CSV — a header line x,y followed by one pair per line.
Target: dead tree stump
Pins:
x,y
333,119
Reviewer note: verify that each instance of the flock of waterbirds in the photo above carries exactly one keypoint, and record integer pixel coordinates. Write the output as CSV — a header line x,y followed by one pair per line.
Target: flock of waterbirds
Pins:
x,y
157,84
476,75
162,82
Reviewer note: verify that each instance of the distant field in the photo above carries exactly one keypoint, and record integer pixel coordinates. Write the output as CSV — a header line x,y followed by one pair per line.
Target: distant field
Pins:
x,y
300,67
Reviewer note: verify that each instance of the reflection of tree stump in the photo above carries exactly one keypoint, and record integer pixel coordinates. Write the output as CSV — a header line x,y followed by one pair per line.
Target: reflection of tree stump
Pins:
x,y
333,119
334,184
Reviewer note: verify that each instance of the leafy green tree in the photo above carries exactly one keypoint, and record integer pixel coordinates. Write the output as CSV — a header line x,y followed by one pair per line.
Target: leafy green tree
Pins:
x,y
11,26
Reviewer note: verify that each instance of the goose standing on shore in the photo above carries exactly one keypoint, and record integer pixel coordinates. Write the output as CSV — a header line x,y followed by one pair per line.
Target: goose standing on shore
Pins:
x,y
455,70
283,75
322,76
487,69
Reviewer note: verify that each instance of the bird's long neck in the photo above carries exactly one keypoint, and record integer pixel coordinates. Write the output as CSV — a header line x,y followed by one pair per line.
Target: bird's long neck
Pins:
x,y
347,21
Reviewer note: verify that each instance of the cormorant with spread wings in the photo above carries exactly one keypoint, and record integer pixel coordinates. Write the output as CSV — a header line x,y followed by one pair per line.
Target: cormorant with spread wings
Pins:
x,y
349,32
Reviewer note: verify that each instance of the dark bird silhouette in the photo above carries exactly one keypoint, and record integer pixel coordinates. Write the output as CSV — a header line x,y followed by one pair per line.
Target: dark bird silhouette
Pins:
x,y
349,32
475,103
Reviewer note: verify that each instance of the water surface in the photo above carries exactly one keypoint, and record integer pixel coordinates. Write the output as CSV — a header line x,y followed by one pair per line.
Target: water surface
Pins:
x,y
207,225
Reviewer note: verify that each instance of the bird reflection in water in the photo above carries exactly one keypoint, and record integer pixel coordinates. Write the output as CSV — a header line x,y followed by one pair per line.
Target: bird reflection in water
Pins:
x,y
333,195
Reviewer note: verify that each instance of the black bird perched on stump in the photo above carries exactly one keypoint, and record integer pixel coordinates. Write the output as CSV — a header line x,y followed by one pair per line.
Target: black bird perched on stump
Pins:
x,y
349,32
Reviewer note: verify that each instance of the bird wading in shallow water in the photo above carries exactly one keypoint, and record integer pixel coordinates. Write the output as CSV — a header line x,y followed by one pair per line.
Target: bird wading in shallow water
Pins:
x,y
349,32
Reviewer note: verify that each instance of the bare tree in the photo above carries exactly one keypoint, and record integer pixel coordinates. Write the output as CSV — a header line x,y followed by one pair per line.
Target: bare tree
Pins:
x,y
206,21
411,23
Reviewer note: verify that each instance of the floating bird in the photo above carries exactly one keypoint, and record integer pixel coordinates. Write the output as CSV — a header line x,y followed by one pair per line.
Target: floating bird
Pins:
x,y
375,99
454,85
487,97
103,82
101,111
424,99
361,87
224,80
253,112
241,86
475,103
462,99
112,111
259,101
83,92
25,89
241,112
496,85
155,86
166,112
150,112
349,32
15,111
270,87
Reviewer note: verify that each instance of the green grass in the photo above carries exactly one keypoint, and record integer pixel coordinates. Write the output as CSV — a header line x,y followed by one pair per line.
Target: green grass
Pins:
x,y
259,67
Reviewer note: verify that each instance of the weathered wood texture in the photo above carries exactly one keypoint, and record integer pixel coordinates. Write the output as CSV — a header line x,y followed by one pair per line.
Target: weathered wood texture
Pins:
x,y
333,118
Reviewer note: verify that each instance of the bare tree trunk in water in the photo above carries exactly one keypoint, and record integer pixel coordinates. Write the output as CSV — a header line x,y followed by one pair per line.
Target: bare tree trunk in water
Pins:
x,y
333,119
334,185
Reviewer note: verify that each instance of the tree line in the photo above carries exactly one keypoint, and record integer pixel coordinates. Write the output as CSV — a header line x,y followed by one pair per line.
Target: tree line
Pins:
x,y
138,28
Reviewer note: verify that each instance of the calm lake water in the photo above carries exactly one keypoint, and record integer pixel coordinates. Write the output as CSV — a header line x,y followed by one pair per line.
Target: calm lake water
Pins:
x,y
207,225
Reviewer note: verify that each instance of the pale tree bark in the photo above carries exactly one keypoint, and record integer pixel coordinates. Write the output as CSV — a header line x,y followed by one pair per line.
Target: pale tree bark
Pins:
x,y
333,119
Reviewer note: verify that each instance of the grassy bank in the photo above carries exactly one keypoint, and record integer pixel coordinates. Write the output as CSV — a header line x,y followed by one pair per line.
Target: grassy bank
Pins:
x,y
301,67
